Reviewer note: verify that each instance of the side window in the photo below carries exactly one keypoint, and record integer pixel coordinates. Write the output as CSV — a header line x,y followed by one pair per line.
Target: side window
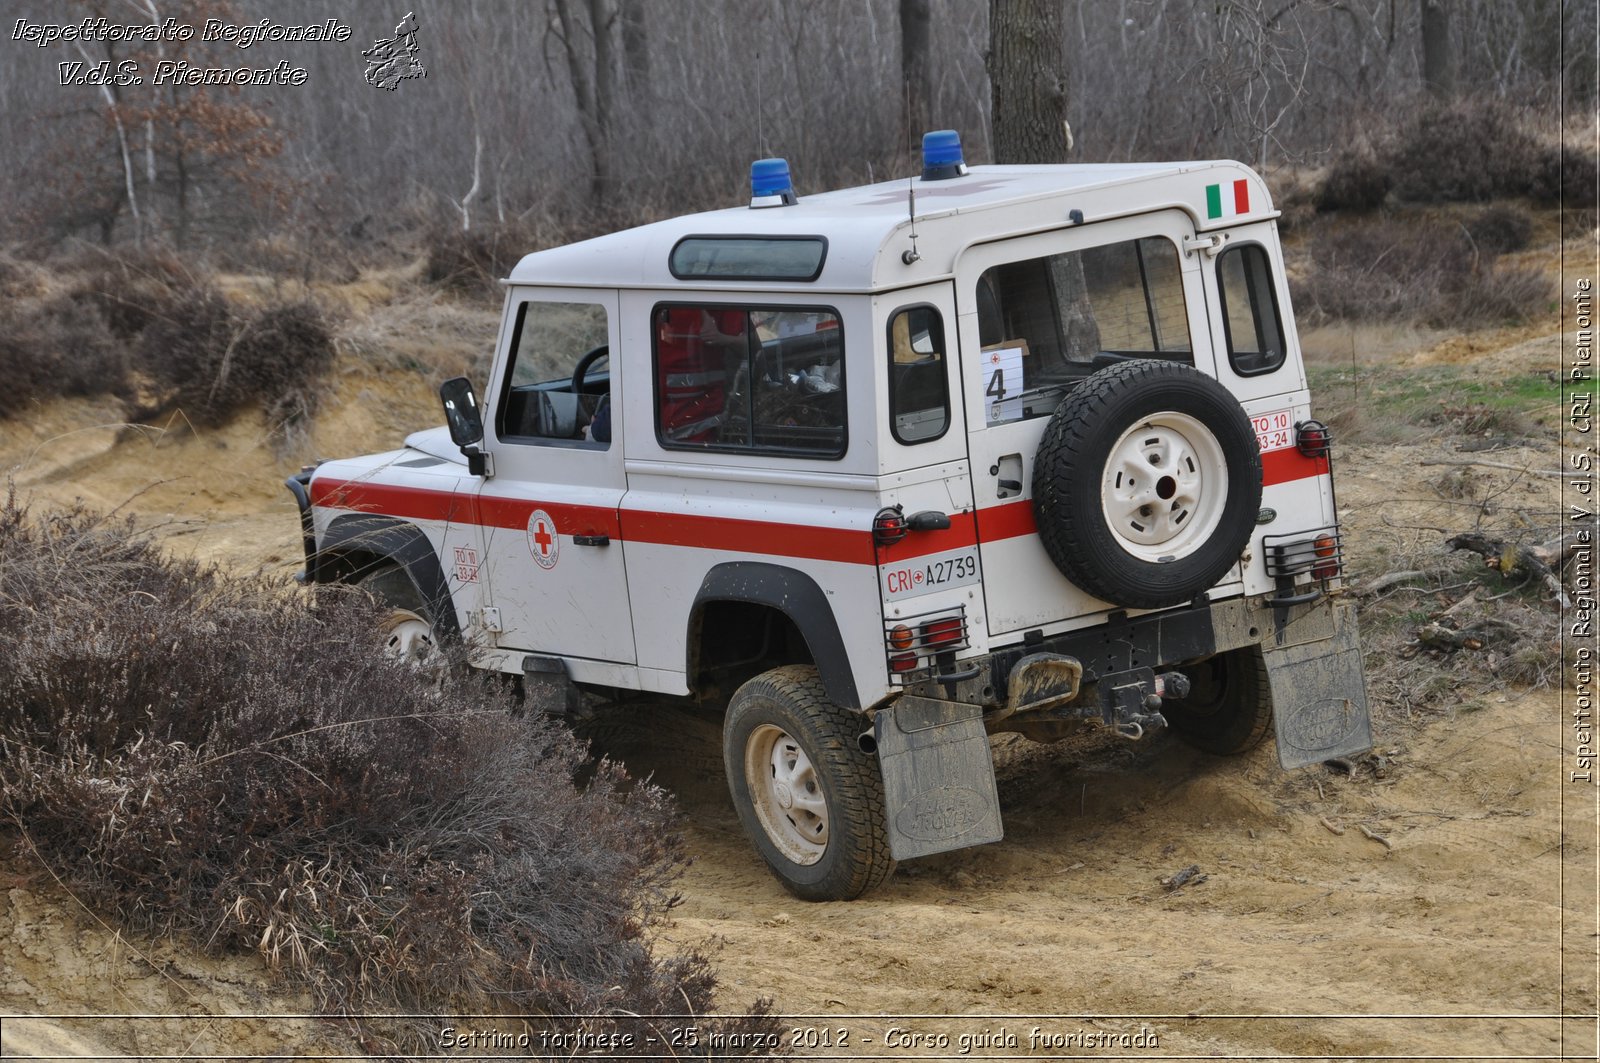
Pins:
x,y
1250,315
558,383
919,377
746,378
1045,323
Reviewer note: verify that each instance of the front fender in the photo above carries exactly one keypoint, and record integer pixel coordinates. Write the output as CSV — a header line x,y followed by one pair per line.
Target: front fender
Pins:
x,y
356,543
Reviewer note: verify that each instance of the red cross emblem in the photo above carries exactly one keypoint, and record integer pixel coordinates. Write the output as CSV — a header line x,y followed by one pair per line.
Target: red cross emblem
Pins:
x,y
544,542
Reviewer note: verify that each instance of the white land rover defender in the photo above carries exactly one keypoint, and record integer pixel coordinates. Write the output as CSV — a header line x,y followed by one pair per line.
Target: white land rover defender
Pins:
x,y
1007,448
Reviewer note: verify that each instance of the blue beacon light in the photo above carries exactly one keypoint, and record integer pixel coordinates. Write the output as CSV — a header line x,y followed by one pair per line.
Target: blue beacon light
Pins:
x,y
770,183
941,155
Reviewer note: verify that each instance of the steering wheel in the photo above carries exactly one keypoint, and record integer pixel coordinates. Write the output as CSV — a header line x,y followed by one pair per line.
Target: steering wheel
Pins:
x,y
581,370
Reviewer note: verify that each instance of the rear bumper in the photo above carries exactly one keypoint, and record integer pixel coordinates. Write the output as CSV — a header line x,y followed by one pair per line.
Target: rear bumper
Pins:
x,y
1123,649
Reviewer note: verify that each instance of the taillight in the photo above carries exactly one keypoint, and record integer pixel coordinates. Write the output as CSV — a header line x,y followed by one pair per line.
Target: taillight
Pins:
x,y
1327,551
900,637
1312,439
888,526
942,631
902,662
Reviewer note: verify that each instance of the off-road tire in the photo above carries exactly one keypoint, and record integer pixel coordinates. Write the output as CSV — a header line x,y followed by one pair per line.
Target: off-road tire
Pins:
x,y
407,612
856,856
1229,707
1072,494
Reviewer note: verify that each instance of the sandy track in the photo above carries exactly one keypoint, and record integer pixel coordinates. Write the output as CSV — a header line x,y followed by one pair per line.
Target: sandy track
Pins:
x,y
1065,917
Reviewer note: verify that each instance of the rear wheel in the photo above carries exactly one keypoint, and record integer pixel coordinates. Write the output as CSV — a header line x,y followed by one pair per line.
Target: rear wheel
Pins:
x,y
1229,707
808,797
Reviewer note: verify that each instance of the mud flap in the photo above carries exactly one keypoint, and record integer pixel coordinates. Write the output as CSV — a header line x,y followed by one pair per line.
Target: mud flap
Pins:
x,y
938,777
1319,695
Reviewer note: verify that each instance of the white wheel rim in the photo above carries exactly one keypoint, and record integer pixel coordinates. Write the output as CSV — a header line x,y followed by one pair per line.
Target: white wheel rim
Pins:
x,y
787,794
1164,487
408,637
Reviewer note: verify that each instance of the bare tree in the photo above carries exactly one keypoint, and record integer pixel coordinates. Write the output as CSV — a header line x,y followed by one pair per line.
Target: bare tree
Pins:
x,y
916,26
1027,80
1438,52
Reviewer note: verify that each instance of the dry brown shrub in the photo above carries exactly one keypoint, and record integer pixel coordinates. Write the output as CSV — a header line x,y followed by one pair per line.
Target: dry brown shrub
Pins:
x,y
217,760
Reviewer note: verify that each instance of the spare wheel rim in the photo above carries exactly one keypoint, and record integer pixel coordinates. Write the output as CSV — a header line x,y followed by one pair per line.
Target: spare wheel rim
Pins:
x,y
786,794
1164,487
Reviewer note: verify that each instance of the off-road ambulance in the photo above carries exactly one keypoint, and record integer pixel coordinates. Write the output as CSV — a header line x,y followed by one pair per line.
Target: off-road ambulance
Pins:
x,y
887,470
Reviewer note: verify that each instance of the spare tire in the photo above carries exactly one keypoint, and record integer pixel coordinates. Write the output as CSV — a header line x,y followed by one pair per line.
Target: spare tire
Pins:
x,y
1147,484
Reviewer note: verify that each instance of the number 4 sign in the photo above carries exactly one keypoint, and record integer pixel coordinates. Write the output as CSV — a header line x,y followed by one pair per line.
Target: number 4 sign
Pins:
x,y
1002,384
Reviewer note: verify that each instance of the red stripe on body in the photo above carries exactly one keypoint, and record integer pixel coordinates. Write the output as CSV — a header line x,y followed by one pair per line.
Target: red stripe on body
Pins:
x,y
1008,520
1282,466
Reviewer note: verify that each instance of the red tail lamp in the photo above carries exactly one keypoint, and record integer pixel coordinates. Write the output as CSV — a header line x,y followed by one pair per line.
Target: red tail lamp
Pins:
x,y
888,526
902,662
1313,439
1327,551
942,631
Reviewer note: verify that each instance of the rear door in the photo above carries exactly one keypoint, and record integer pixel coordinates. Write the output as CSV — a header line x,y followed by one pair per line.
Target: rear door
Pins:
x,y
1038,314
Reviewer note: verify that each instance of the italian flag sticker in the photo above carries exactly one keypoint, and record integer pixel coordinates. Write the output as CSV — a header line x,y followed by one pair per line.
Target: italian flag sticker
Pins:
x,y
1228,201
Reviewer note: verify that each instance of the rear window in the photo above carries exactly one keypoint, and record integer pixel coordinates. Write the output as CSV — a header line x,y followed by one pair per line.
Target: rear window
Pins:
x,y
775,258
1250,310
1046,323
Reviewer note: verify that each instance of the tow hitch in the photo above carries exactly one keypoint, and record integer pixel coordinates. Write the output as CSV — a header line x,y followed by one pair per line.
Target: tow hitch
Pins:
x,y
1130,702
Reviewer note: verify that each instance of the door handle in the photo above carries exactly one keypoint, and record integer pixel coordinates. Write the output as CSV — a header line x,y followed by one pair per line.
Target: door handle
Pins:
x,y
591,540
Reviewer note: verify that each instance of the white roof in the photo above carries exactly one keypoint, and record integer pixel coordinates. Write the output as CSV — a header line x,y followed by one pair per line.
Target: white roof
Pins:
x,y
868,227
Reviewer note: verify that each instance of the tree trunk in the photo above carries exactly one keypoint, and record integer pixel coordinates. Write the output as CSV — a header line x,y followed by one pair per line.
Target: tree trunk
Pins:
x,y
1438,57
1028,89
593,88
635,48
1027,81
916,26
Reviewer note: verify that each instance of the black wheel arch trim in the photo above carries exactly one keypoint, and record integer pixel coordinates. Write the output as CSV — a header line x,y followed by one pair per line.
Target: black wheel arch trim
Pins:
x,y
389,539
795,595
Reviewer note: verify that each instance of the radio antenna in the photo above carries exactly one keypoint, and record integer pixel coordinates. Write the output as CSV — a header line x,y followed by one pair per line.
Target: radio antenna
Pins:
x,y
911,256
761,134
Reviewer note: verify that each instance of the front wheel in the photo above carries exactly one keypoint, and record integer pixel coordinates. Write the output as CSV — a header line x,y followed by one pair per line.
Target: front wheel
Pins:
x,y
406,631
806,794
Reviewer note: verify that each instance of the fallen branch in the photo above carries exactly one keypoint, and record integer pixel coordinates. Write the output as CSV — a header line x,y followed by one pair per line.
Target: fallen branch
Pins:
x,y
1389,579
1333,828
1375,836
1540,561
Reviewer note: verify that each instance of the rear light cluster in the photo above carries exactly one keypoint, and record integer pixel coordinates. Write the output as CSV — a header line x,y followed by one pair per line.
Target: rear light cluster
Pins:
x,y
1313,439
913,641
888,526
1319,552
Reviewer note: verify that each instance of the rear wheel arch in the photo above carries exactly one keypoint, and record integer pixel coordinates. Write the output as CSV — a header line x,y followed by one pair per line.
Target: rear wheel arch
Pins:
x,y
768,590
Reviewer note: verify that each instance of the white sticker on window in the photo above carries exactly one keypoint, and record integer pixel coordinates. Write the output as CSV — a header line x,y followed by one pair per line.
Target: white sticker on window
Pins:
x,y
1002,384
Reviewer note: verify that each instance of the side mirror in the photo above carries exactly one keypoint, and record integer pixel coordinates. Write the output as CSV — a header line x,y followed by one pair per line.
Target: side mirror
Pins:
x,y
461,413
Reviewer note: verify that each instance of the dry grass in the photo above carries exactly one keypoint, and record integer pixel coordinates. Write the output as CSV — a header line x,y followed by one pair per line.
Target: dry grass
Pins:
x,y
218,760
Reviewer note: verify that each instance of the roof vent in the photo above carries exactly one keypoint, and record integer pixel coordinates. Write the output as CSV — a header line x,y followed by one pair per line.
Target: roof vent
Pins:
x,y
941,155
770,184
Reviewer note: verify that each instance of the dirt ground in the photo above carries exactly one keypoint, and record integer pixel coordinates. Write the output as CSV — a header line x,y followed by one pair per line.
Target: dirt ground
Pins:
x,y
1469,934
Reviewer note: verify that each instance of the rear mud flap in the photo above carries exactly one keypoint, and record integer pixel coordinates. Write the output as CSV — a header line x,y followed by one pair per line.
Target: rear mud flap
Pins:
x,y
938,777
1319,695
